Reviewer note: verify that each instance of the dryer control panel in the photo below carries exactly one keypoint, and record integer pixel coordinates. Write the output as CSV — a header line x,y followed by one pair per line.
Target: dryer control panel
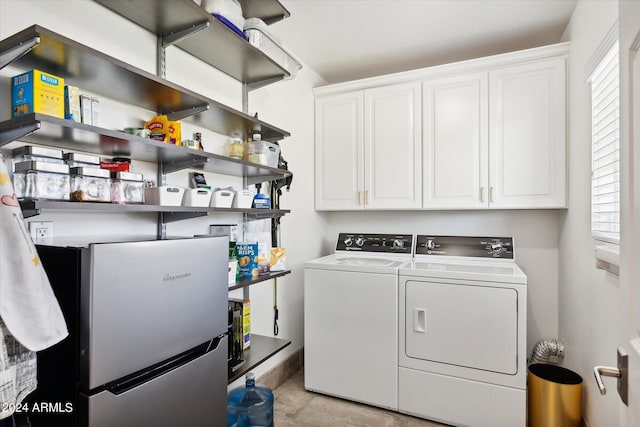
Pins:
x,y
462,246
379,243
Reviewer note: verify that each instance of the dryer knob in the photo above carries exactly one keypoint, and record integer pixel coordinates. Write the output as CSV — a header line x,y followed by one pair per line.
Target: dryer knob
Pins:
x,y
430,245
348,241
360,241
398,243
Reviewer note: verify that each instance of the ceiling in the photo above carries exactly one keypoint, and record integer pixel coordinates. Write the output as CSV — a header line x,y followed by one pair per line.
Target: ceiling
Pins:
x,y
344,40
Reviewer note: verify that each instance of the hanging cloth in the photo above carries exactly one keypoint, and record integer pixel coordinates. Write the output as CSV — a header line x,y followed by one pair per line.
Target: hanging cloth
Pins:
x,y
28,306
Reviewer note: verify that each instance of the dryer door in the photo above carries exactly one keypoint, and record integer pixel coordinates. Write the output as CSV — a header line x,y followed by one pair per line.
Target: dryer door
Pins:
x,y
470,326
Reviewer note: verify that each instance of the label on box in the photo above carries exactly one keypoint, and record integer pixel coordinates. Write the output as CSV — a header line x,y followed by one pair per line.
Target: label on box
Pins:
x,y
37,92
247,259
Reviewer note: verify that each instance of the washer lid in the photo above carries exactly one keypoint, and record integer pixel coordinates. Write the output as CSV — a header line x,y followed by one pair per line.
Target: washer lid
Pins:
x,y
348,262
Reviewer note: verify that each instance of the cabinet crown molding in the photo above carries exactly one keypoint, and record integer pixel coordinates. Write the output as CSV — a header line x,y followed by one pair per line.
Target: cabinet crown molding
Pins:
x,y
437,71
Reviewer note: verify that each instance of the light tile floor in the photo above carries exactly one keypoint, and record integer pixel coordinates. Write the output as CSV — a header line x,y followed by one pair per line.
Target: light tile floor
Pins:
x,y
296,407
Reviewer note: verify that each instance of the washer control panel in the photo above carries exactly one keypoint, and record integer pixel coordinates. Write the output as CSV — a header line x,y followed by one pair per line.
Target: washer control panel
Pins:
x,y
385,243
476,247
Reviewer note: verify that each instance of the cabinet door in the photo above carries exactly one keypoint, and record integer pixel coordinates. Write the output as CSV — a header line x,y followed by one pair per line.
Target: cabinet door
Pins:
x,y
393,143
455,164
527,140
339,152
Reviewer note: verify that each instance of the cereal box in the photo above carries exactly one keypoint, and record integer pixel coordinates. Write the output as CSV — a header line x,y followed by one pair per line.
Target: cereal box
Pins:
x,y
247,259
72,103
37,92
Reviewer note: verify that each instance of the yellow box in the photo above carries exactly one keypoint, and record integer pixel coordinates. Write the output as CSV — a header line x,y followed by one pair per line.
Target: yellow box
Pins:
x,y
37,92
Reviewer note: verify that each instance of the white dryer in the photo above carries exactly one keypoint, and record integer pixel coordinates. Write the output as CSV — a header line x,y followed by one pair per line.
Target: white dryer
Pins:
x,y
462,332
351,318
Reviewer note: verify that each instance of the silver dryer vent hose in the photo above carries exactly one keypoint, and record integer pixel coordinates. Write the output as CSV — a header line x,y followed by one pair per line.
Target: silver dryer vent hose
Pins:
x,y
545,349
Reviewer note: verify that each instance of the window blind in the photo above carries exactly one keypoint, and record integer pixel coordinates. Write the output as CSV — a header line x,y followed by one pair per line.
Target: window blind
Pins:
x,y
605,148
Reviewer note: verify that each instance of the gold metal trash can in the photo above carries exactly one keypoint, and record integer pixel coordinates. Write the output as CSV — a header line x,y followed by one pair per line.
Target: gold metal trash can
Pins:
x,y
554,397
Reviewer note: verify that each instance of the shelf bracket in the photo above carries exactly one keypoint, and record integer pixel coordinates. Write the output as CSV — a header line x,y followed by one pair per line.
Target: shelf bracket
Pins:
x,y
30,211
178,166
177,36
180,216
16,52
263,178
179,115
261,83
9,135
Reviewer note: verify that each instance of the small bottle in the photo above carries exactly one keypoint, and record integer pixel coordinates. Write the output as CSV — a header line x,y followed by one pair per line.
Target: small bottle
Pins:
x,y
253,401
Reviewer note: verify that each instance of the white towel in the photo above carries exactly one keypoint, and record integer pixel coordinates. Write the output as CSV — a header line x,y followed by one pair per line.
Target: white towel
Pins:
x,y
28,306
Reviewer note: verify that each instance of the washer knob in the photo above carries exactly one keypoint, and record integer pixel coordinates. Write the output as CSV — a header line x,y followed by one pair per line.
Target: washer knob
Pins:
x,y
348,241
360,241
496,248
430,245
398,243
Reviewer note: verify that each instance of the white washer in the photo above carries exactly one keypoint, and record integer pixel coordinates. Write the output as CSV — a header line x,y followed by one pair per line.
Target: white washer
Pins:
x,y
351,318
462,332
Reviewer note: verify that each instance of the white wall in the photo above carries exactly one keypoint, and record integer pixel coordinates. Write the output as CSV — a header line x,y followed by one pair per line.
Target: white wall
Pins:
x,y
590,315
287,105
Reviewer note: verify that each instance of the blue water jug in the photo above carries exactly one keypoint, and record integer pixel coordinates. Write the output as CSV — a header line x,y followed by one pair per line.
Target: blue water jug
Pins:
x,y
253,401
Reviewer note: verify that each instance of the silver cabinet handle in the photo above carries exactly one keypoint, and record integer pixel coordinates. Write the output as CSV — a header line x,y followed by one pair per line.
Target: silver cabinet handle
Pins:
x,y
359,197
482,194
491,195
605,371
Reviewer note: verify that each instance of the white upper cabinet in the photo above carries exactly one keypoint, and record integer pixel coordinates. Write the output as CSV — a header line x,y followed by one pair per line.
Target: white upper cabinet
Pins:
x,y
488,133
392,135
497,138
339,151
527,135
368,149
456,142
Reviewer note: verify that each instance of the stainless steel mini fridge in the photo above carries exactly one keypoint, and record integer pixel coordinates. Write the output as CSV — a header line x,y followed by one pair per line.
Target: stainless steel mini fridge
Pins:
x,y
147,344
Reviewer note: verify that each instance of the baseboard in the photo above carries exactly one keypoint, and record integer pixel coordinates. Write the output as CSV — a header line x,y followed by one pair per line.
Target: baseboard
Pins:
x,y
285,370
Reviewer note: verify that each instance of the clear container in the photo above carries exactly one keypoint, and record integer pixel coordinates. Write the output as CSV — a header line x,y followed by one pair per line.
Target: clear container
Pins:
x,y
235,149
253,401
77,160
127,187
41,180
39,154
259,35
90,185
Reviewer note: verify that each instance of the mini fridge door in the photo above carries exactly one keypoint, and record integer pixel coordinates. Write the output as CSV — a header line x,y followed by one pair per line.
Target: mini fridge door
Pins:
x,y
192,394
146,301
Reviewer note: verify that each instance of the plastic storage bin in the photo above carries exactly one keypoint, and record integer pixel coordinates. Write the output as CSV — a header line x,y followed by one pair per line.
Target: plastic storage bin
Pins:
x,y
222,198
38,154
264,153
197,197
253,401
165,195
243,199
127,187
229,10
259,36
90,185
41,180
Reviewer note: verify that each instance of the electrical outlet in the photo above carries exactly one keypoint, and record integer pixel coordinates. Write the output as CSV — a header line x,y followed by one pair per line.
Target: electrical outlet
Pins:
x,y
41,231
